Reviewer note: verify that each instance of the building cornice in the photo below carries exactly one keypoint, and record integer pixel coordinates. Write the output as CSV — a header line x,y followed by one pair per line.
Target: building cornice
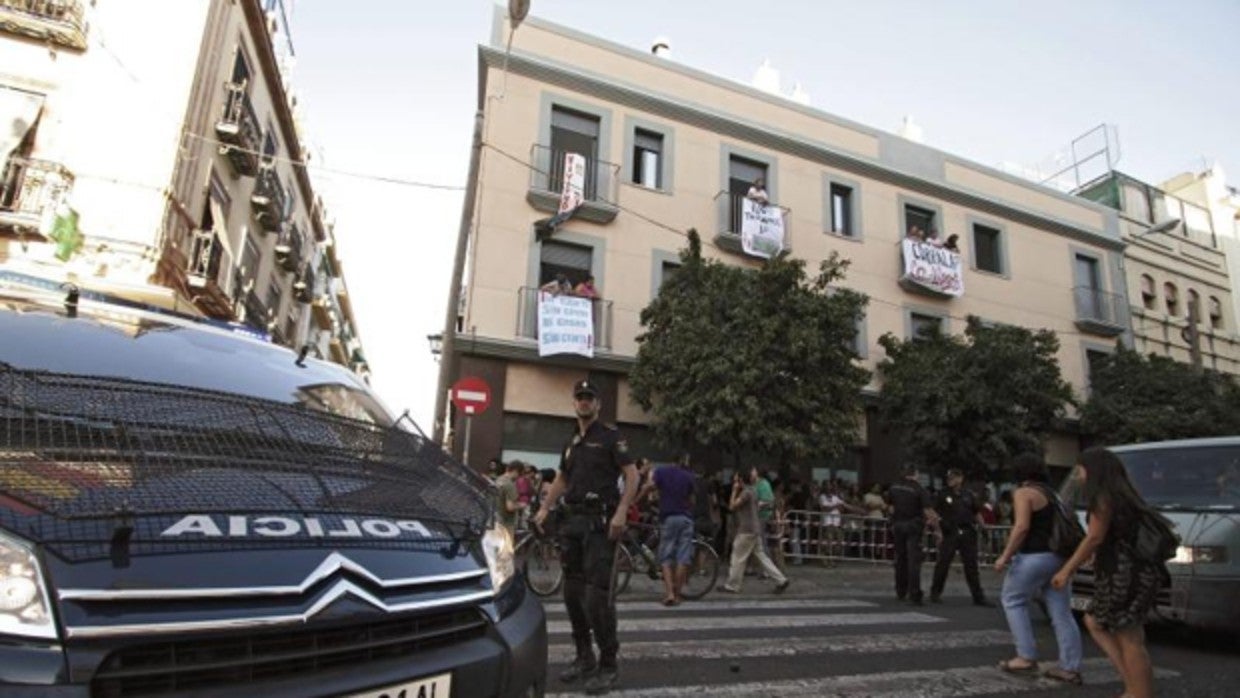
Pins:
x,y
611,90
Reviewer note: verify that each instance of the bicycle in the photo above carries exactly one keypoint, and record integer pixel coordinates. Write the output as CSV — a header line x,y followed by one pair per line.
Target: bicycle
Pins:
x,y
634,554
539,557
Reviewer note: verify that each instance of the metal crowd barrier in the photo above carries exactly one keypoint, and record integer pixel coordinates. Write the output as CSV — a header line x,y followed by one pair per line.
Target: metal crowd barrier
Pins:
x,y
820,536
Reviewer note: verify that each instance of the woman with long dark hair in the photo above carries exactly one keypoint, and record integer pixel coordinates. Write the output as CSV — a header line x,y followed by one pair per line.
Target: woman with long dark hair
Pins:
x,y
1125,588
1032,564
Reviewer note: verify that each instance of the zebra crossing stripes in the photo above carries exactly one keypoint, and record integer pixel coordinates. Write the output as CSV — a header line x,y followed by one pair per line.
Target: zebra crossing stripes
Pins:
x,y
746,648
653,635
944,683
821,620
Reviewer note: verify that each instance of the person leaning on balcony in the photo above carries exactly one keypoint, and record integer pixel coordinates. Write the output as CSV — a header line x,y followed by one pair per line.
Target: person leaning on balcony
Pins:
x,y
558,285
757,192
915,233
951,244
586,288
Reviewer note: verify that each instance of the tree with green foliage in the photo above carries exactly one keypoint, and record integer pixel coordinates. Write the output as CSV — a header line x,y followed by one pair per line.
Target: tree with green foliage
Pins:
x,y
1135,399
752,360
972,401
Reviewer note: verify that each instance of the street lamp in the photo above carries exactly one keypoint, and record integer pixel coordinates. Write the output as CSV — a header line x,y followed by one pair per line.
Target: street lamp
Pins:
x,y
1163,227
436,343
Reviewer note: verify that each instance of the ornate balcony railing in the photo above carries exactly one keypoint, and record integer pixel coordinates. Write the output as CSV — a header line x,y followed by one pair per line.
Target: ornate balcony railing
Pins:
x,y
30,191
268,199
288,249
1100,312
61,22
209,271
527,317
601,186
238,128
730,215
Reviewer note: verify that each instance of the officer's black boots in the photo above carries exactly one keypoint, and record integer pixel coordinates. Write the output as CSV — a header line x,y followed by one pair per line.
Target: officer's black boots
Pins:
x,y
604,680
582,667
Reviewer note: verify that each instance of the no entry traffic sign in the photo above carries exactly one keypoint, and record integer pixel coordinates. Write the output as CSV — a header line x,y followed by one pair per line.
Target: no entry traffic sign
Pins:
x,y
471,395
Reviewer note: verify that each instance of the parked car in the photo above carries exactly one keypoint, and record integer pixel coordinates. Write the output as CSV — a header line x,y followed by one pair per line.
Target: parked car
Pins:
x,y
188,510
1196,484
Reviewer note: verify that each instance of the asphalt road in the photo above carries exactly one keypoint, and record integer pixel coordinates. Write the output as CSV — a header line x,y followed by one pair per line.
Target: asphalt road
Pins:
x,y
841,632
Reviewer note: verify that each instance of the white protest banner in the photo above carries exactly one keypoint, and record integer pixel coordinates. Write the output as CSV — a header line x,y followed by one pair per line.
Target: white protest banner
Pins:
x,y
762,229
565,325
933,268
572,189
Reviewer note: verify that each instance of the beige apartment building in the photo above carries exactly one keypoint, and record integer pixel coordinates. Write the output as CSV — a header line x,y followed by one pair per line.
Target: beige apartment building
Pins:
x,y
669,147
151,152
1177,263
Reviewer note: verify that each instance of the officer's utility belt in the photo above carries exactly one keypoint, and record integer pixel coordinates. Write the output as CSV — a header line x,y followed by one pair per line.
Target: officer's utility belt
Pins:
x,y
587,507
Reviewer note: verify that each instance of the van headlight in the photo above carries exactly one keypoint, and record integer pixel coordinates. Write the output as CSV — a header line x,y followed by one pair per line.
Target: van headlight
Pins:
x,y
498,548
24,606
1199,554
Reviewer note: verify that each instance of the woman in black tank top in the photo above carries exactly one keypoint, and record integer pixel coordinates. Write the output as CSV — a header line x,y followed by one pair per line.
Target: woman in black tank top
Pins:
x,y
1032,566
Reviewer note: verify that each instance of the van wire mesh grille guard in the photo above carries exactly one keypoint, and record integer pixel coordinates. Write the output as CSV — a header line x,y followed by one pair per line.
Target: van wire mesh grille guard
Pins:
x,y
83,458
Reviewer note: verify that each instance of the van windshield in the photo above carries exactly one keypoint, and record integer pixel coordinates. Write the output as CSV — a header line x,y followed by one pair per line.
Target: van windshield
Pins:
x,y
1204,477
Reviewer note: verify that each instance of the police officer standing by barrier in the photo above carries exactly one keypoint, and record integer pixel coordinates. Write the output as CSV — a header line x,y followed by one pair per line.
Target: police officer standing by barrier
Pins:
x,y
960,515
910,512
594,519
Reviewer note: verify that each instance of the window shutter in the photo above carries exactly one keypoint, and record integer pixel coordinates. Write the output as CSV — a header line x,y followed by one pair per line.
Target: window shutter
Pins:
x,y
571,256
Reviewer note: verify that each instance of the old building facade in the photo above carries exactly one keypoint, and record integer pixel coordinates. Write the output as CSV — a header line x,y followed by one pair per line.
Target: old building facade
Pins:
x,y
166,166
667,148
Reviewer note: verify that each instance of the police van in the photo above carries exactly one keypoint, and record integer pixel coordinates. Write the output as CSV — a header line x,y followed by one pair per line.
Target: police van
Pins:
x,y
189,511
1196,484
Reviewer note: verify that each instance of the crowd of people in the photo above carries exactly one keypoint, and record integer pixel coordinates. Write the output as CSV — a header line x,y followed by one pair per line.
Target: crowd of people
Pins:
x,y
931,237
561,285
763,522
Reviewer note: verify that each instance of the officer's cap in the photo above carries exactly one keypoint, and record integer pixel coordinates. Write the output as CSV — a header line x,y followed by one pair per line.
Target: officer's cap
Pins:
x,y
584,387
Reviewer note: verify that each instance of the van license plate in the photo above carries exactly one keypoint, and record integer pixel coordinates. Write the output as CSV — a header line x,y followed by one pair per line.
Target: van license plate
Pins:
x,y
430,687
1079,603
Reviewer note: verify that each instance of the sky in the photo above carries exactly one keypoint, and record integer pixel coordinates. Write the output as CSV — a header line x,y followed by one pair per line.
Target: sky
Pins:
x,y
388,89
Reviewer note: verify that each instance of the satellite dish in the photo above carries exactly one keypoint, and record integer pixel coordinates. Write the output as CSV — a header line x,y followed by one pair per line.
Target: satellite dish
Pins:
x,y
517,10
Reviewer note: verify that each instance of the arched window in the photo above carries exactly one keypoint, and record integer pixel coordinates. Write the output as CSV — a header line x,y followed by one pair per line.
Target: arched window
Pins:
x,y
1194,305
1172,296
1148,297
1216,313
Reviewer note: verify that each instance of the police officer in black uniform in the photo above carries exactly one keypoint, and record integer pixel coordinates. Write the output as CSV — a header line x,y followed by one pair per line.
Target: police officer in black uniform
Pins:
x,y
960,515
910,513
594,510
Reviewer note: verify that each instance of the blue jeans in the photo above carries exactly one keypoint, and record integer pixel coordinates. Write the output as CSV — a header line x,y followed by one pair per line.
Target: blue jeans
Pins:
x,y
676,540
1030,573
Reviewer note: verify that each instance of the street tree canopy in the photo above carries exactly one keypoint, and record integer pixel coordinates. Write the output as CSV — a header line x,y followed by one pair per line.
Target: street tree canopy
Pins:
x,y
1135,399
755,360
972,401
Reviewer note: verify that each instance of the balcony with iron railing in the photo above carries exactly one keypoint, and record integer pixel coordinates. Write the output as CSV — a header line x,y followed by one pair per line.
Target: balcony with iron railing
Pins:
x,y
30,192
601,187
1100,312
209,273
61,22
527,317
269,199
730,218
288,249
239,131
